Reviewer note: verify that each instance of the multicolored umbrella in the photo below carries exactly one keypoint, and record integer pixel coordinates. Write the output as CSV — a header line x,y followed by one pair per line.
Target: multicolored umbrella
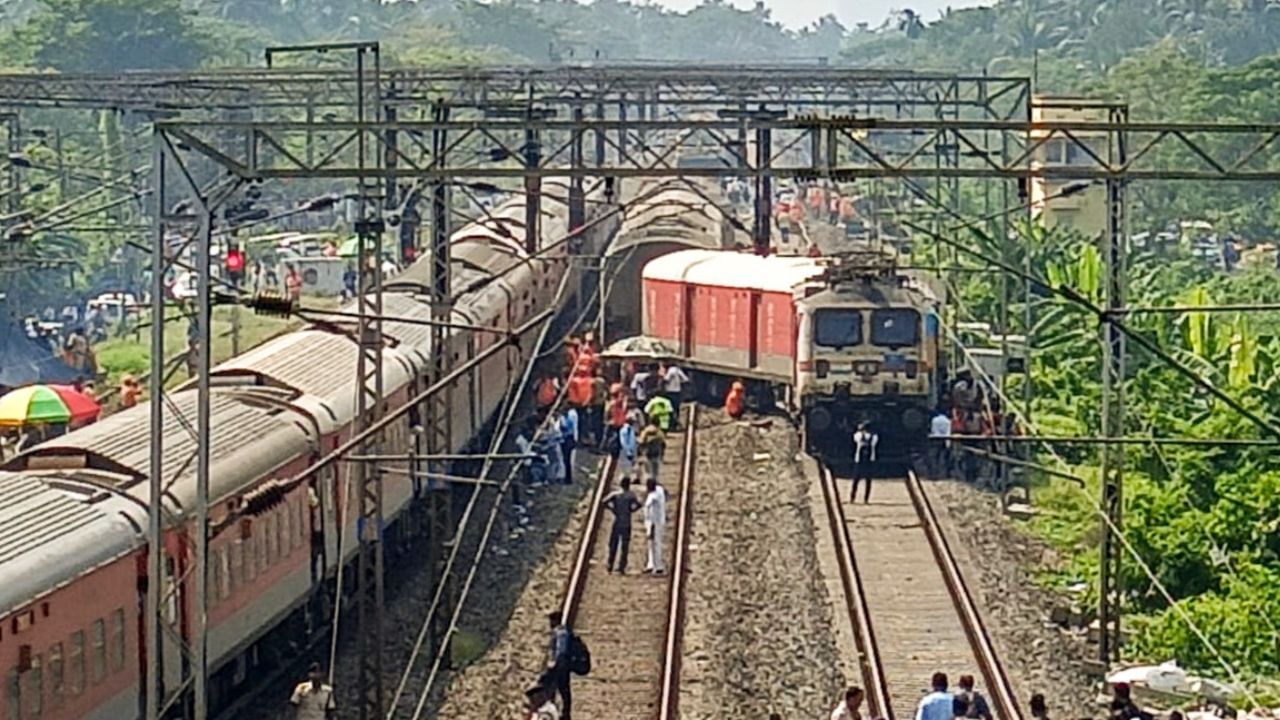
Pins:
x,y
46,404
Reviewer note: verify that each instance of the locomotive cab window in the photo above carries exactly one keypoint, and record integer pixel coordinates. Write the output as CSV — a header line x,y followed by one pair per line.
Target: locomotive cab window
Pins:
x,y
837,327
895,328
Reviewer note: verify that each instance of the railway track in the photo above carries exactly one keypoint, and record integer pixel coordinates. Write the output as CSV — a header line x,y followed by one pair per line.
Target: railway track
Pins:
x,y
633,622
911,612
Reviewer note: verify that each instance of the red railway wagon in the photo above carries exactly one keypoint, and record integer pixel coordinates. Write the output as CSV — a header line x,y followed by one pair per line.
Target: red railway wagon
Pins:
x,y
727,311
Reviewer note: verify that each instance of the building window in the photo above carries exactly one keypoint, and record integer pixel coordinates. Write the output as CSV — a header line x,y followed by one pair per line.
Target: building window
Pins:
x,y
76,660
56,675
33,688
117,641
98,660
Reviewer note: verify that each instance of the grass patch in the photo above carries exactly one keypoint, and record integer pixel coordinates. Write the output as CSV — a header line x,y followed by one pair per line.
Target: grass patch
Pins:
x,y
467,647
131,353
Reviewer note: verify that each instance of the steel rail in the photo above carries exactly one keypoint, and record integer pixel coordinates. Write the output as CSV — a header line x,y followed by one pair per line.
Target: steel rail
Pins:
x,y
586,547
993,672
669,704
873,676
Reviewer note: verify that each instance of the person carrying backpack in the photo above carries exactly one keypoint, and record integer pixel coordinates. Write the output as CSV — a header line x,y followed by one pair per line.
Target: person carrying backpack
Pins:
x,y
567,655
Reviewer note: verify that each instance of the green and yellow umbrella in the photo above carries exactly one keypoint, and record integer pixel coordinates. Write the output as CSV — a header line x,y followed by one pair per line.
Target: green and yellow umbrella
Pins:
x,y
46,405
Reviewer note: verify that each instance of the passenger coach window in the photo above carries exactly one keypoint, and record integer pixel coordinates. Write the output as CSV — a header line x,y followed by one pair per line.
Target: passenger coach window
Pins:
x,y
895,328
837,328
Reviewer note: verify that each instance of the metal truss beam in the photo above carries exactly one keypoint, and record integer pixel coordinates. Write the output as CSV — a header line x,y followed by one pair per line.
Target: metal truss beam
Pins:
x,y
792,86
852,148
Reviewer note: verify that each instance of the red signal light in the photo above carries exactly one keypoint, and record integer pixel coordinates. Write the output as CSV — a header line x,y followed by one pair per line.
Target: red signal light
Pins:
x,y
235,261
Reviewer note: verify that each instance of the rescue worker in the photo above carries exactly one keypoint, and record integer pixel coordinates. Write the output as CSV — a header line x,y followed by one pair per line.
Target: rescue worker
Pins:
x,y
655,525
659,410
864,458
733,402
617,417
558,660
623,504
313,699
594,420
653,444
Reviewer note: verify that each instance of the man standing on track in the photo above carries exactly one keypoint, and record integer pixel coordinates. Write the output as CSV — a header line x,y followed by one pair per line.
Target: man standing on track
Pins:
x,y
653,443
622,503
864,458
673,381
939,704
655,525
558,660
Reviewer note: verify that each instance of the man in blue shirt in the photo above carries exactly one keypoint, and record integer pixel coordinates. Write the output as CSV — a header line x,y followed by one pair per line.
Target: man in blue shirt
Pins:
x,y
558,660
939,704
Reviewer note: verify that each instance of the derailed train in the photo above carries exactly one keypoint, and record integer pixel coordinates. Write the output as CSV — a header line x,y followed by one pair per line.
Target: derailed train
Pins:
x,y
73,511
837,342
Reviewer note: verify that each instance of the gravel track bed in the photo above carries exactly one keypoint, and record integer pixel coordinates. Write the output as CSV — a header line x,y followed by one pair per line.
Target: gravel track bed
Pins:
x,y
998,560
758,633
522,582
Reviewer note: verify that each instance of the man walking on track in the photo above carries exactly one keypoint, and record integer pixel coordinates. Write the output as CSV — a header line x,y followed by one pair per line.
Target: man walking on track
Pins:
x,y
622,503
655,524
864,457
559,660
939,704
541,702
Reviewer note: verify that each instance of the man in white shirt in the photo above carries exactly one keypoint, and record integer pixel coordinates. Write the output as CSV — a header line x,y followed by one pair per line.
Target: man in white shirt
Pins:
x,y
655,523
313,699
848,708
673,381
939,446
939,704
865,443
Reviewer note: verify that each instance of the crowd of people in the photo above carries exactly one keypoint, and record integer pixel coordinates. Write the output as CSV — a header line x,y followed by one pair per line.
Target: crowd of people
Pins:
x,y
982,428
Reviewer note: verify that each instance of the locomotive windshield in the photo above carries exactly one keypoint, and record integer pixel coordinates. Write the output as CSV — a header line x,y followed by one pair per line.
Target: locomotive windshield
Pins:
x,y
898,327
837,327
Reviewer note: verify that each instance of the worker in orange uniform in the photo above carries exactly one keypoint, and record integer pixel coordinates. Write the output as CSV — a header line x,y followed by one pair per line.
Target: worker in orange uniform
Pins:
x,y
734,401
579,391
617,417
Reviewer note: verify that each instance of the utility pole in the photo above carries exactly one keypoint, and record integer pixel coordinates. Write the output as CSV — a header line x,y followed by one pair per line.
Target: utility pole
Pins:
x,y
439,427
1110,581
369,229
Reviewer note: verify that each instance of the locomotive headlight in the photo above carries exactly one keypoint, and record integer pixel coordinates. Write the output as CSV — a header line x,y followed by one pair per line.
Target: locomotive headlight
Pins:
x,y
913,420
